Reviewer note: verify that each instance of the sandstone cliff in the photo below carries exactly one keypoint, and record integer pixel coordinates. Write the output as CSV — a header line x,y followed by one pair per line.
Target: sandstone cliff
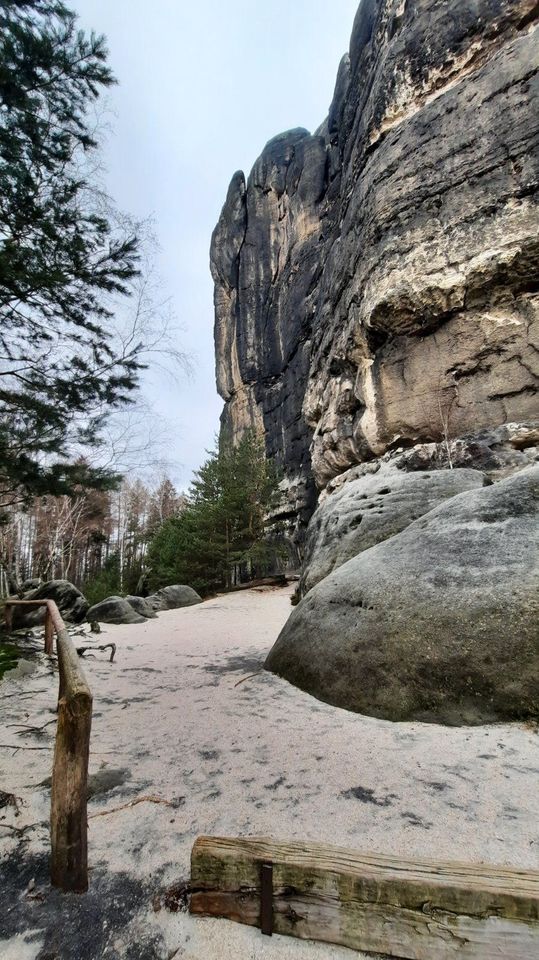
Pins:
x,y
376,283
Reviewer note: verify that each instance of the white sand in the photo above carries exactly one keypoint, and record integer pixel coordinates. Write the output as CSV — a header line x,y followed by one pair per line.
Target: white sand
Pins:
x,y
260,758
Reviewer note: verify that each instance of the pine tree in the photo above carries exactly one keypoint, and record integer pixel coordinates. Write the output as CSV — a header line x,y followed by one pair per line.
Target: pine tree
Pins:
x,y
63,255
221,532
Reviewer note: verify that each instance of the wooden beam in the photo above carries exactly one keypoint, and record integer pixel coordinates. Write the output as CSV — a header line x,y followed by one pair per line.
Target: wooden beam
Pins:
x,y
418,910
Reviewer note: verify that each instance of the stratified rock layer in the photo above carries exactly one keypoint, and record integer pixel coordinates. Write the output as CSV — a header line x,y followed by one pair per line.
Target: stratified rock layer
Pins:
x,y
440,622
376,282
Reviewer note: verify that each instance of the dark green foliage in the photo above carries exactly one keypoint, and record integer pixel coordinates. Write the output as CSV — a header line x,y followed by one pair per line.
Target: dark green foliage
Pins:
x,y
104,584
222,532
63,254
9,656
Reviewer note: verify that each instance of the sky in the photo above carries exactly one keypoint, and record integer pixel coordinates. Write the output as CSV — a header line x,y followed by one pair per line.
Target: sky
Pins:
x,y
203,85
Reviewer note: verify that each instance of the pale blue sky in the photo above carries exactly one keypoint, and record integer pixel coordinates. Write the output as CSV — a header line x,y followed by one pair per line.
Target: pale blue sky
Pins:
x,y
203,86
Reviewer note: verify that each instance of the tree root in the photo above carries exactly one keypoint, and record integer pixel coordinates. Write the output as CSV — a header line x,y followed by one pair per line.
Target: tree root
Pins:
x,y
106,646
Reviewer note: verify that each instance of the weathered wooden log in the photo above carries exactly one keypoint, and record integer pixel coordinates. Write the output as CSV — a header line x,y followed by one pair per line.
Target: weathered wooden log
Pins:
x,y
278,580
418,910
69,828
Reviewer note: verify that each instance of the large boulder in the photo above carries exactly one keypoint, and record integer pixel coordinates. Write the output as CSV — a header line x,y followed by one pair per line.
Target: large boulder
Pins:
x,y
114,610
170,598
70,602
439,623
142,607
372,508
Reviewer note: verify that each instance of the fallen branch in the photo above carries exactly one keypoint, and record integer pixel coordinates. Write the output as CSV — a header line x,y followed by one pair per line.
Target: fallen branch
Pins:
x,y
15,746
22,696
28,727
20,830
132,803
249,677
106,646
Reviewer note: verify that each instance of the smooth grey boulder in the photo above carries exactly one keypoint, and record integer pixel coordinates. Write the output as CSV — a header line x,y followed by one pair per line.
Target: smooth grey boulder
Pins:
x,y
438,623
114,610
371,509
70,602
170,598
141,606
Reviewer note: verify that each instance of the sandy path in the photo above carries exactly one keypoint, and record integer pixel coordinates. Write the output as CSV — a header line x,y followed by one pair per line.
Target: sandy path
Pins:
x,y
257,759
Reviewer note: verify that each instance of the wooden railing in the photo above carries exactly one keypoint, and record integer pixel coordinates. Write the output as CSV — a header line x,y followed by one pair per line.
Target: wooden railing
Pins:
x,y
69,828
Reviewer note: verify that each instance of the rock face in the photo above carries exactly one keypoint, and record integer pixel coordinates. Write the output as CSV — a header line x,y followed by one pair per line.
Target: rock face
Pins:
x,y
170,598
70,602
440,622
114,610
265,260
376,282
373,508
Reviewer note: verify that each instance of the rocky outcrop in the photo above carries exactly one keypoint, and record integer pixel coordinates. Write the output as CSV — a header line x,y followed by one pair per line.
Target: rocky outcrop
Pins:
x,y
372,508
376,282
173,597
70,602
439,622
265,261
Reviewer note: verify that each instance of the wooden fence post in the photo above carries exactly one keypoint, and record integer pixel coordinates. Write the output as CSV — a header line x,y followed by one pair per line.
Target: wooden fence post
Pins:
x,y
69,793
49,632
69,827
